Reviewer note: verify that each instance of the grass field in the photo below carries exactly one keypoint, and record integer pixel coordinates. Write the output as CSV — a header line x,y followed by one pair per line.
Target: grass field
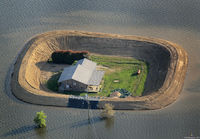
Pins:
x,y
120,72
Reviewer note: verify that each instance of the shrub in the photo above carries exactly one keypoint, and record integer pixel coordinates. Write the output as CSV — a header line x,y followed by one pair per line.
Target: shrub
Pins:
x,y
108,111
52,83
124,92
40,119
68,56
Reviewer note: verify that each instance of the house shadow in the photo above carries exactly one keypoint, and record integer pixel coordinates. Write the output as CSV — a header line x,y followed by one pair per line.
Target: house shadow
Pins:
x,y
75,93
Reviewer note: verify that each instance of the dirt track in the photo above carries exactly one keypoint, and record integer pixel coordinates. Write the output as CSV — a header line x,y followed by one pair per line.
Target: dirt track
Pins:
x,y
167,61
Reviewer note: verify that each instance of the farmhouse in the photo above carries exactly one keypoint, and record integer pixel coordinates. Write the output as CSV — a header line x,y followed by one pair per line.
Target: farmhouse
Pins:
x,y
81,77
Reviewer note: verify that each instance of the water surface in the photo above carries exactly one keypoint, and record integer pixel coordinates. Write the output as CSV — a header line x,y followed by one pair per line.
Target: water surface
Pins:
x,y
173,20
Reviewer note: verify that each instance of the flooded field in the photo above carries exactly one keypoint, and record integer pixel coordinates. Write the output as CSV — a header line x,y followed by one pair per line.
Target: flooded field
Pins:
x,y
177,21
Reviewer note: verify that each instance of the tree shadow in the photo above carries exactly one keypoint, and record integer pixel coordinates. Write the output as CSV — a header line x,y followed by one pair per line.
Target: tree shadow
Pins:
x,y
134,74
21,130
24,129
86,122
109,122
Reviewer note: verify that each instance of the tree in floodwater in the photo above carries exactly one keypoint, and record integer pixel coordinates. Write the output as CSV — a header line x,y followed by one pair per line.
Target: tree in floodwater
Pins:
x,y
40,119
108,111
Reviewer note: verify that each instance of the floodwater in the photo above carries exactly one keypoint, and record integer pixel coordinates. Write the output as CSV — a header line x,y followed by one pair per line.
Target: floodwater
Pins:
x,y
173,20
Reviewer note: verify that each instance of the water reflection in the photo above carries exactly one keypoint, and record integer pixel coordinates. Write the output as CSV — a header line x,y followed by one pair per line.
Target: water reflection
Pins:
x,y
41,132
109,122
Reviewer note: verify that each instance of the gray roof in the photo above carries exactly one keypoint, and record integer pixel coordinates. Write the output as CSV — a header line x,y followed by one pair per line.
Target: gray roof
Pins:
x,y
84,71
96,77
87,64
67,73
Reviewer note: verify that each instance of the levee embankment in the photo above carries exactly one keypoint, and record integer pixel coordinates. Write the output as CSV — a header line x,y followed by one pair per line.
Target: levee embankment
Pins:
x,y
167,67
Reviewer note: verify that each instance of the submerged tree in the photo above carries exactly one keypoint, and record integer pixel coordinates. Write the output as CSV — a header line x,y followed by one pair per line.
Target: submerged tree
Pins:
x,y
40,119
108,111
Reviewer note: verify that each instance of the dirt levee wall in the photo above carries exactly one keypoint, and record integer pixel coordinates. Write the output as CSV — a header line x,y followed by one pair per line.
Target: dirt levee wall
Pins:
x,y
157,56
162,86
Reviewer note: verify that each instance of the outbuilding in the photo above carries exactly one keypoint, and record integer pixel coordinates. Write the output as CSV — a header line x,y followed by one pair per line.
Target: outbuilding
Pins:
x,y
81,77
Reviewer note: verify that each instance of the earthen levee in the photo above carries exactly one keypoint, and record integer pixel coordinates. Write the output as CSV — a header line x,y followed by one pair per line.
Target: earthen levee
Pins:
x,y
167,66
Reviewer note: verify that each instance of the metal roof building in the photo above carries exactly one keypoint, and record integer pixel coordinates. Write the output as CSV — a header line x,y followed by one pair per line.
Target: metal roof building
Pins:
x,y
84,72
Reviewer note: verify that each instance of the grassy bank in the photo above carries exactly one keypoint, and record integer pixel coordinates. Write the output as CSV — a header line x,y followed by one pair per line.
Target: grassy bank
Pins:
x,y
120,72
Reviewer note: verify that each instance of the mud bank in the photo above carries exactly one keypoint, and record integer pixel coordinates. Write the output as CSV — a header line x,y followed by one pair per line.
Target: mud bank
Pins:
x,y
167,67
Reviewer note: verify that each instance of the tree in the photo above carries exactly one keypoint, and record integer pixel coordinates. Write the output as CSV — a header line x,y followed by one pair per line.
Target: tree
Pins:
x,y
40,119
68,56
108,111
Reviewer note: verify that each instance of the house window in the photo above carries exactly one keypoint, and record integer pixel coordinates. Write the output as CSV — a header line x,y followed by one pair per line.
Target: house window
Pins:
x,y
67,86
74,83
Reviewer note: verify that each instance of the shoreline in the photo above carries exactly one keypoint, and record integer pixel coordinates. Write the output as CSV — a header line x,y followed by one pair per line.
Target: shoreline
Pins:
x,y
27,89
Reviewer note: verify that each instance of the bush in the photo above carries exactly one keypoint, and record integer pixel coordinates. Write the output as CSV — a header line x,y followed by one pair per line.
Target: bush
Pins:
x,y
108,111
68,56
124,92
52,83
40,119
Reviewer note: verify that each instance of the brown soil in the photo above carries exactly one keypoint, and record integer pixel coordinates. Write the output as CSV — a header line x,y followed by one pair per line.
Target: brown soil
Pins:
x,y
47,70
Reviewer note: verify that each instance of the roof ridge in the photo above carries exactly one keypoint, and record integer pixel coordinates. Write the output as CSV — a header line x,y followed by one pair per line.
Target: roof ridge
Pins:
x,y
80,67
82,71
74,70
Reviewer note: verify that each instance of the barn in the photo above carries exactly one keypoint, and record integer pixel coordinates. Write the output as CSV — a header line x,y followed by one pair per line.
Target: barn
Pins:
x,y
81,77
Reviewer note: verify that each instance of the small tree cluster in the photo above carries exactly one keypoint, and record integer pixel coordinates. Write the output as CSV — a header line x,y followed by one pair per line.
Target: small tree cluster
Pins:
x,y
40,119
108,111
68,56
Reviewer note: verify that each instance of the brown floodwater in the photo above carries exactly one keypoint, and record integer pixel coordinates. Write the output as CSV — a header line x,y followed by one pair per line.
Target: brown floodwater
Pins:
x,y
174,20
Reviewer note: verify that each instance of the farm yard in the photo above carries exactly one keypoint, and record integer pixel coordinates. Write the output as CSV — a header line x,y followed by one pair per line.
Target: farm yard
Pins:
x,y
120,73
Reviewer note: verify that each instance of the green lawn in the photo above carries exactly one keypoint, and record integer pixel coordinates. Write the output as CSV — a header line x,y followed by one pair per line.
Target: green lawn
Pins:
x,y
52,83
120,72
123,70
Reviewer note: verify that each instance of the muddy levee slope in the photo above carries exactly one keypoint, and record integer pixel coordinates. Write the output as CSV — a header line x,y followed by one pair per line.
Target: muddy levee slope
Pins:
x,y
167,67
